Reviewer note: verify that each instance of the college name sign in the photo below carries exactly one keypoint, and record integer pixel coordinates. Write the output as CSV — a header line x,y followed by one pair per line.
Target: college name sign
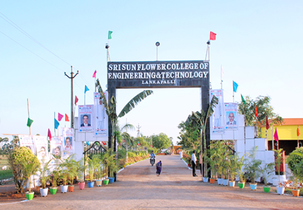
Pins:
x,y
158,73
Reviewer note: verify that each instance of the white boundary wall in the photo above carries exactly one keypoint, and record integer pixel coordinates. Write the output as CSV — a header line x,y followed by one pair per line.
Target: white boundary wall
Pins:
x,y
245,145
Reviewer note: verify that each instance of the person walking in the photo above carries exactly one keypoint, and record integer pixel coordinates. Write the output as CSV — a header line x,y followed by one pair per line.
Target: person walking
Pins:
x,y
193,162
159,168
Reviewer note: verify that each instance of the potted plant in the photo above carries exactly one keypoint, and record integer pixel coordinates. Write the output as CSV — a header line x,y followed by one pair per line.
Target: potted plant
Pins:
x,y
44,170
54,180
295,163
99,171
81,167
30,169
241,171
266,172
110,161
92,165
278,161
233,165
252,168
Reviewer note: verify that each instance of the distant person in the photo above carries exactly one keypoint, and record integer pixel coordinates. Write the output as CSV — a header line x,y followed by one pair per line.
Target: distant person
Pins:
x,y
181,155
231,118
194,162
159,168
152,155
85,123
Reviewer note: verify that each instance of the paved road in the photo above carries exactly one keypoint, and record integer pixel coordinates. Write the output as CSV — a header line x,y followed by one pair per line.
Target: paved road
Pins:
x,y
138,187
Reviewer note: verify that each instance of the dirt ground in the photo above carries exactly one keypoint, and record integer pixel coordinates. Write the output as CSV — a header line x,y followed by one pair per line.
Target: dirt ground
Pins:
x,y
138,187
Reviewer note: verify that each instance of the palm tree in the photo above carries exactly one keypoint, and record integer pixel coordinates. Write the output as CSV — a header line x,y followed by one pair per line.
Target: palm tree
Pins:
x,y
200,118
111,107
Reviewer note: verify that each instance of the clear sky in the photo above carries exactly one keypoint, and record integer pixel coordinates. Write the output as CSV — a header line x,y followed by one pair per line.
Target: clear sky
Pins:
x,y
259,45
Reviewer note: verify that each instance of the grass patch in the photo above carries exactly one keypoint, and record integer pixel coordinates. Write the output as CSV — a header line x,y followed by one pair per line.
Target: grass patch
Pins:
x,y
6,174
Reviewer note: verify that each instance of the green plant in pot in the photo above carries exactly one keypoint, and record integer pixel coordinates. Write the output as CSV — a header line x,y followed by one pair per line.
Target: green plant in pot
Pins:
x,y
233,166
23,164
71,171
295,163
30,169
266,171
241,171
252,168
54,180
81,168
110,162
44,178
99,172
92,165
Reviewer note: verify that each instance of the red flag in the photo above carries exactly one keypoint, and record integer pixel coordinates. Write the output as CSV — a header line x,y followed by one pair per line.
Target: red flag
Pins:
x,y
137,143
94,75
298,131
66,118
276,137
60,116
267,123
49,134
212,36
256,111
103,143
76,100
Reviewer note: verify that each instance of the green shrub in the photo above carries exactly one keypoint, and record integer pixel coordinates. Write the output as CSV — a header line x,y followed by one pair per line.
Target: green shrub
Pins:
x,y
294,159
131,154
23,164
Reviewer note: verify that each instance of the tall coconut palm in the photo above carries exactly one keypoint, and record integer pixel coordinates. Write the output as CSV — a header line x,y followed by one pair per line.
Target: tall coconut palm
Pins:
x,y
201,118
111,107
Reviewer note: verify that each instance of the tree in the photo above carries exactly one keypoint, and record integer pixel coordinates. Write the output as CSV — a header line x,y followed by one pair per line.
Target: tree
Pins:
x,y
23,164
161,141
111,108
264,109
200,119
190,136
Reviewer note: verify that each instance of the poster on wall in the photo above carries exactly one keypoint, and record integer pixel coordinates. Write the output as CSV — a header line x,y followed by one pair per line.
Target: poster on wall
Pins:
x,y
101,118
231,114
85,113
27,141
217,120
68,142
56,147
56,151
41,145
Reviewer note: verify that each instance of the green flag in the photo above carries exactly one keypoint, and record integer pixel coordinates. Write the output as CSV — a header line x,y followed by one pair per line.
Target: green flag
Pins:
x,y
243,100
29,122
110,34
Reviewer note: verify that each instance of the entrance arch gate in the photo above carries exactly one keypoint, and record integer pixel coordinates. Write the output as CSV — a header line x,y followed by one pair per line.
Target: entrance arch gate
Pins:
x,y
159,74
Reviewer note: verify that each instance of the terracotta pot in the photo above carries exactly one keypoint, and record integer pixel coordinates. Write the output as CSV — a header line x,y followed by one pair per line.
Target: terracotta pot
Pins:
x,y
212,180
296,193
81,185
70,188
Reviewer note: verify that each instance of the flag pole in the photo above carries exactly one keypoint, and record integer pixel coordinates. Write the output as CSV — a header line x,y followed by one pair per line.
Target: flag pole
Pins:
x,y
298,137
272,136
30,132
54,123
221,77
